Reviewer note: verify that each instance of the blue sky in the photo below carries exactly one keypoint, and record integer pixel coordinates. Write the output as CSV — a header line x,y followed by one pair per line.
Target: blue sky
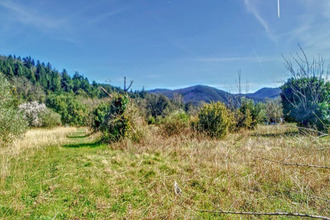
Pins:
x,y
167,43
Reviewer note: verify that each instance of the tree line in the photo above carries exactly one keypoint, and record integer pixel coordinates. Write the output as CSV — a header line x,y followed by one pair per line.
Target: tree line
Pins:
x,y
43,78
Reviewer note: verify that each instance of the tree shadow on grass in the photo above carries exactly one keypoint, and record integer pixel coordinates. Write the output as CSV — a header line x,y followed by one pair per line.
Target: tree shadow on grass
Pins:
x,y
77,136
85,145
285,134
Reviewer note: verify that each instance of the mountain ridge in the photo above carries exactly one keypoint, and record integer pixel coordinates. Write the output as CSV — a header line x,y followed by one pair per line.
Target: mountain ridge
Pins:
x,y
204,93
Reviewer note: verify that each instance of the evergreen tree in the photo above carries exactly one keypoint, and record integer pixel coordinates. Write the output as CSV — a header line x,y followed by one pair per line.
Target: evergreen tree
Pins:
x,y
66,81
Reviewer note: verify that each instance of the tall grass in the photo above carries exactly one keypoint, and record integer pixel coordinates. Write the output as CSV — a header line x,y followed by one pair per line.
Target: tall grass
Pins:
x,y
34,139
84,179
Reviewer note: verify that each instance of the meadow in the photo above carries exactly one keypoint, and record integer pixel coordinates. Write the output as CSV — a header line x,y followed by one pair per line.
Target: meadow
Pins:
x,y
67,173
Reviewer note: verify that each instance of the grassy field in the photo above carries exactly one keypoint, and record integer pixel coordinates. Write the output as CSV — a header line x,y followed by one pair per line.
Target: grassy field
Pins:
x,y
66,173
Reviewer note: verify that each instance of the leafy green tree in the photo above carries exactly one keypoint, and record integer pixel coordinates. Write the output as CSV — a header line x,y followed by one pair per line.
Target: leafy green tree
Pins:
x,y
12,124
158,105
71,110
99,114
306,94
306,101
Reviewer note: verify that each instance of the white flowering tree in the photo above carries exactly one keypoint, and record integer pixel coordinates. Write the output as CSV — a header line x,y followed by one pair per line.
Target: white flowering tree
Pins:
x,y
38,115
32,112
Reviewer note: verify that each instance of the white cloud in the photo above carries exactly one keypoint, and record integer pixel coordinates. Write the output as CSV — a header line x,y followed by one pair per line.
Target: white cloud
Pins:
x,y
29,16
233,59
252,9
107,15
312,31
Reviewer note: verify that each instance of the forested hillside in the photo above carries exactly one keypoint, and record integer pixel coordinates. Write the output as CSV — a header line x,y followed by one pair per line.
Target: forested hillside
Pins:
x,y
34,79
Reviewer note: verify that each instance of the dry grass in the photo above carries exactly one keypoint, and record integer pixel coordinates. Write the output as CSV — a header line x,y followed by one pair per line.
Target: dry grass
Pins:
x,y
44,137
85,179
32,140
232,169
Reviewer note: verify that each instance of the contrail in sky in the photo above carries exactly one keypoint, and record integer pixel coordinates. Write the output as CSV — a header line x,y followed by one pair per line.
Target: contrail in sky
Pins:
x,y
278,9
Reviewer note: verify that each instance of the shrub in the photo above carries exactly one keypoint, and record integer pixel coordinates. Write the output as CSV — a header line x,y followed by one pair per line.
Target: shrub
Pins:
x,y
50,118
248,115
176,123
214,119
242,119
151,120
12,124
116,123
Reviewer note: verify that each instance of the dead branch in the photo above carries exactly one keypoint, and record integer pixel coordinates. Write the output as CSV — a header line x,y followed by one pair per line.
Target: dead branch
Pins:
x,y
295,164
126,89
265,213
308,129
104,90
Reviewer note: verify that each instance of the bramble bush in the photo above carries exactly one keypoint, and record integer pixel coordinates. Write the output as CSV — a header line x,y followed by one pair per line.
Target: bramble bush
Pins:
x,y
215,120
116,122
12,124
119,119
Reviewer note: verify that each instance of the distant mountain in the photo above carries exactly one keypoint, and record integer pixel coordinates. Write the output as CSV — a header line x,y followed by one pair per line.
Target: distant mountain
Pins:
x,y
265,93
159,91
200,93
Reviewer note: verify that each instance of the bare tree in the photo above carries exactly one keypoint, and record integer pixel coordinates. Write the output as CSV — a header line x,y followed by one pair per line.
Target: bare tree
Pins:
x,y
126,89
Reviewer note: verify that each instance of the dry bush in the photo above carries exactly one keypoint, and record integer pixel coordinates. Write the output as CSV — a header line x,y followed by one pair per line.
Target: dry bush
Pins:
x,y
175,124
